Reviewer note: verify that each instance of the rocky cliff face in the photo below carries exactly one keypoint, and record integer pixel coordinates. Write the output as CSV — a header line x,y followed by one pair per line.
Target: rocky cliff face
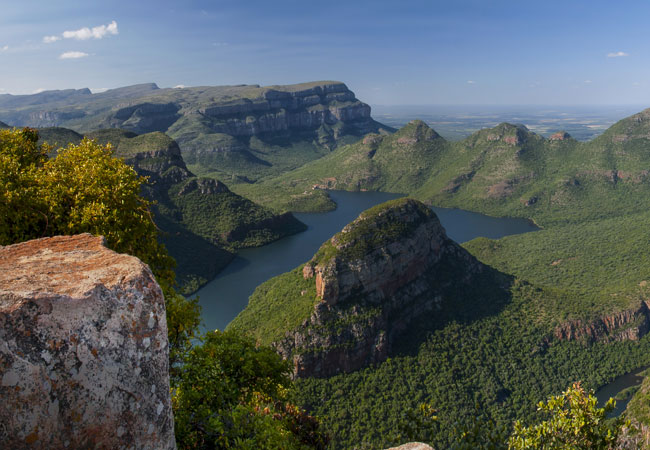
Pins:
x,y
244,110
232,130
153,155
631,324
163,165
382,272
276,109
83,348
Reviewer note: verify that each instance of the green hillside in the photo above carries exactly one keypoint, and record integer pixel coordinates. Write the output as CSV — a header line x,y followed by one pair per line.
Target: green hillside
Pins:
x,y
486,353
575,307
400,162
202,222
502,171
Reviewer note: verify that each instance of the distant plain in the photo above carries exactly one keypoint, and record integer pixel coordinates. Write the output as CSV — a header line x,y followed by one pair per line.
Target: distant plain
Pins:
x,y
455,122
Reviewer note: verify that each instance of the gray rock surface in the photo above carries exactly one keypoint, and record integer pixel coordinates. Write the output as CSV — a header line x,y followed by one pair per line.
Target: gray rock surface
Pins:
x,y
412,446
83,348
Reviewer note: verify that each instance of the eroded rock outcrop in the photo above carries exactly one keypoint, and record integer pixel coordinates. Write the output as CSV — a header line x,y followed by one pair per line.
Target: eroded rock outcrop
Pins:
x,y
559,136
631,324
373,279
163,165
83,348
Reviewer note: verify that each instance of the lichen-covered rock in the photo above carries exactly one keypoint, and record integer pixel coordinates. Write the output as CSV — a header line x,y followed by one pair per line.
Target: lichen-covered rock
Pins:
x,y
83,348
412,446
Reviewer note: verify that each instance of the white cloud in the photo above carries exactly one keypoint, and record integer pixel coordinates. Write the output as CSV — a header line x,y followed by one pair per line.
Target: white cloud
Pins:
x,y
98,90
38,91
220,44
471,82
179,86
587,81
617,54
85,33
73,55
4,48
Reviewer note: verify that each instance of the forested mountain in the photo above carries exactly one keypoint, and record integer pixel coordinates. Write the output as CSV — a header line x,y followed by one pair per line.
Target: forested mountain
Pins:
x,y
390,314
202,222
505,170
573,306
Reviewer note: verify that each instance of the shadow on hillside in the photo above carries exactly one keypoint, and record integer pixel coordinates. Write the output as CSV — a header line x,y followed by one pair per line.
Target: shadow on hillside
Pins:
x,y
464,301
196,257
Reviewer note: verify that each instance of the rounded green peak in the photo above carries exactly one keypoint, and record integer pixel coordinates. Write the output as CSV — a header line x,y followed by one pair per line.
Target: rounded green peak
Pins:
x,y
107,134
58,136
398,206
506,133
504,128
416,131
512,126
127,143
637,126
380,225
151,142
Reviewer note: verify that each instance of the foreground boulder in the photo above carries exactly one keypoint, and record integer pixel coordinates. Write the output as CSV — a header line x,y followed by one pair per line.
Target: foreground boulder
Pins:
x,y
83,348
412,446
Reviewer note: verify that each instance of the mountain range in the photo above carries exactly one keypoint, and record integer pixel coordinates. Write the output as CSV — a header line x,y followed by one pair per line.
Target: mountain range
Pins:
x,y
390,313
568,302
245,131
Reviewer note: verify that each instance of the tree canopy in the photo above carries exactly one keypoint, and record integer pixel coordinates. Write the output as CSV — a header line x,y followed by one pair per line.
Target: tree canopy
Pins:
x,y
83,189
227,392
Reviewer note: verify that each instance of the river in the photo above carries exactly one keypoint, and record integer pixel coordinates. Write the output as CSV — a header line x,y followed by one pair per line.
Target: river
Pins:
x,y
631,379
225,296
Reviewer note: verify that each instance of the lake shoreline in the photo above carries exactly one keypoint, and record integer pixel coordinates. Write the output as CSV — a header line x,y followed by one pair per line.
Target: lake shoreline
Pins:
x,y
227,294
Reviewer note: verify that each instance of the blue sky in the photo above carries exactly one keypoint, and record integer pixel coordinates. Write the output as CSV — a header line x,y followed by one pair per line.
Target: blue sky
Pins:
x,y
388,52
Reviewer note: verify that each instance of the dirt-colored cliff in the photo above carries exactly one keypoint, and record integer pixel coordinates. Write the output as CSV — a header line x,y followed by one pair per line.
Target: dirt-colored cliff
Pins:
x,y
631,324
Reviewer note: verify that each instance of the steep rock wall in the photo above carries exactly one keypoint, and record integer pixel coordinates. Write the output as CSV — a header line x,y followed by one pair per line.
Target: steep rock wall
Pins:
x,y
268,110
631,324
